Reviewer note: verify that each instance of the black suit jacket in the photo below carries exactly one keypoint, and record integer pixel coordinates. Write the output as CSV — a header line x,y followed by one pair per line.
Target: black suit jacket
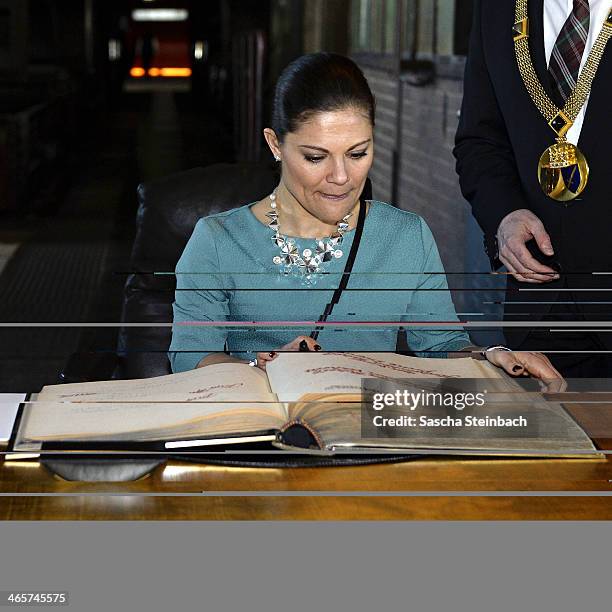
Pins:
x,y
500,139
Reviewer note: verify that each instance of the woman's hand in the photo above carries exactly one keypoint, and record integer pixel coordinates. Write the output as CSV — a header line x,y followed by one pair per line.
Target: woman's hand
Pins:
x,y
301,343
536,365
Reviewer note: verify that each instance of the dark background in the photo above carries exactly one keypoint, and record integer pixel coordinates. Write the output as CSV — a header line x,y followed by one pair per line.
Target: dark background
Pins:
x,y
80,128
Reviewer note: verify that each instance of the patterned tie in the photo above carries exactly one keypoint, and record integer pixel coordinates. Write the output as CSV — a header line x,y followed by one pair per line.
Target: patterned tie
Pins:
x,y
569,47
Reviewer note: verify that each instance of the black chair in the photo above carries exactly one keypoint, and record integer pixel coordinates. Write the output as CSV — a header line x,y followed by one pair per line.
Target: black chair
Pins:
x,y
168,211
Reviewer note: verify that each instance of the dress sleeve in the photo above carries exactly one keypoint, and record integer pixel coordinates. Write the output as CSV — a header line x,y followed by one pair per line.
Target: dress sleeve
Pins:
x,y
200,298
432,303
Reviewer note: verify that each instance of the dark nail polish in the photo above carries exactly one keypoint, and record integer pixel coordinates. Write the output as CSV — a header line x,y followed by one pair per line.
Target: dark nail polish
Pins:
x,y
304,346
517,368
272,353
317,347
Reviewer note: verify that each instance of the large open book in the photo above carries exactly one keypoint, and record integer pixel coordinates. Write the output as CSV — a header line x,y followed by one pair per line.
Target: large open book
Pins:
x,y
305,400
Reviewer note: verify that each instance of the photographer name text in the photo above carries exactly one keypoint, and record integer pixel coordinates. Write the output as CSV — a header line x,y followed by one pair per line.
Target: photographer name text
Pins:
x,y
422,399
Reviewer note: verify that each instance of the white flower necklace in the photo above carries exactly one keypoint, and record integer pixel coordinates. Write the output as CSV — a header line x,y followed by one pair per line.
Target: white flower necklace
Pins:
x,y
309,263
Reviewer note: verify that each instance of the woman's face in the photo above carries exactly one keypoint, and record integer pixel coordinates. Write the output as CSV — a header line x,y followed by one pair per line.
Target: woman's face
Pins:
x,y
326,162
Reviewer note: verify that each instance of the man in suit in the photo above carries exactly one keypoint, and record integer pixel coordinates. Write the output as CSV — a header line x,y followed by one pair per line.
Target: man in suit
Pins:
x,y
553,250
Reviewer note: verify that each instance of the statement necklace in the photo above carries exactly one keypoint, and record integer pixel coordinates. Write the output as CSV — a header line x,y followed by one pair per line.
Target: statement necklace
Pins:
x,y
563,170
311,262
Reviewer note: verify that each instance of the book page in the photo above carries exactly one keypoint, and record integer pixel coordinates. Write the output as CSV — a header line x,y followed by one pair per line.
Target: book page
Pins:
x,y
9,405
324,391
218,399
293,375
24,449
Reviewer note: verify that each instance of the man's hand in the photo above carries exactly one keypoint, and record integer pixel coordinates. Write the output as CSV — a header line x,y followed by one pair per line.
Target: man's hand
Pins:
x,y
513,232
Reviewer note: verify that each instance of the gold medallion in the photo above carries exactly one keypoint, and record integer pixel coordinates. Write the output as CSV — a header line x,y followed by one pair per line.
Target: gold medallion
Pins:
x,y
563,171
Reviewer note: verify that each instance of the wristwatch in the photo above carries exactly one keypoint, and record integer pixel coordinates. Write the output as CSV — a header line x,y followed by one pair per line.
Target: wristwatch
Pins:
x,y
495,347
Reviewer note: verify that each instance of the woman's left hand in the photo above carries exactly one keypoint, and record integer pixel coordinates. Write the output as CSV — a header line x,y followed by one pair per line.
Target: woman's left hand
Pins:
x,y
537,365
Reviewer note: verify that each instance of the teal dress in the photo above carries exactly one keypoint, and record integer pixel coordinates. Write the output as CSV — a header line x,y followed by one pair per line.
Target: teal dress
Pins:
x,y
226,275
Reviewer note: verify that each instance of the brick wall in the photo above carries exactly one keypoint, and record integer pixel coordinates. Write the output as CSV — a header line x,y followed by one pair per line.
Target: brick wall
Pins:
x,y
385,91
428,184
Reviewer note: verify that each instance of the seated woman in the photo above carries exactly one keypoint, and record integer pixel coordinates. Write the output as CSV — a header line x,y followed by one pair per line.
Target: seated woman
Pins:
x,y
279,260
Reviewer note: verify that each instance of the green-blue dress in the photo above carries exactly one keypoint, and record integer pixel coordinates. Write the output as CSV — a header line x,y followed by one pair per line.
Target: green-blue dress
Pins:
x,y
226,274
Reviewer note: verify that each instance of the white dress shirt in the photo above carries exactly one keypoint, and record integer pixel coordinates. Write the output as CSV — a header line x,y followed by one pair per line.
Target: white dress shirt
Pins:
x,y
556,13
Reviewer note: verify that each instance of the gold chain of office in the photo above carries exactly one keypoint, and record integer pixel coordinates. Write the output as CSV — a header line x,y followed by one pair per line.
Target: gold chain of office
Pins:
x,y
563,169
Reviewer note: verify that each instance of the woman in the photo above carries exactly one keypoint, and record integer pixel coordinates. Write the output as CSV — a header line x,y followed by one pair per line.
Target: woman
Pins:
x,y
281,258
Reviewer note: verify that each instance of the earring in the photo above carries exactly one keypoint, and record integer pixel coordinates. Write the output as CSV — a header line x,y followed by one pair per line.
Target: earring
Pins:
x,y
277,158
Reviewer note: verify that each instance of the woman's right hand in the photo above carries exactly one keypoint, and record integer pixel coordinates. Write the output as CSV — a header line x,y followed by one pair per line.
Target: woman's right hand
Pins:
x,y
301,343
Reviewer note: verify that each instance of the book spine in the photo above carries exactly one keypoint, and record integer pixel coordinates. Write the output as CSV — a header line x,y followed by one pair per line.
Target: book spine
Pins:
x,y
300,434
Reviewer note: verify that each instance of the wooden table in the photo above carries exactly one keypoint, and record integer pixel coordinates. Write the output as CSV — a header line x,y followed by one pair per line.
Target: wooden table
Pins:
x,y
453,488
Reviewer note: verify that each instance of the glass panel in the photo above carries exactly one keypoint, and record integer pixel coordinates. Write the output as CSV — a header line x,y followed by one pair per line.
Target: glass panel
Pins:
x,y
355,7
425,28
443,24
364,24
376,42
409,16
446,28
390,25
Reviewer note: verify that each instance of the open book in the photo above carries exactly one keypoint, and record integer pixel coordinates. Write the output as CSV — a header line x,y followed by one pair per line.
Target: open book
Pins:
x,y
304,400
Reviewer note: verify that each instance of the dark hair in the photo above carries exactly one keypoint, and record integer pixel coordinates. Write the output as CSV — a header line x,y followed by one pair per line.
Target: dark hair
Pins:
x,y
318,82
